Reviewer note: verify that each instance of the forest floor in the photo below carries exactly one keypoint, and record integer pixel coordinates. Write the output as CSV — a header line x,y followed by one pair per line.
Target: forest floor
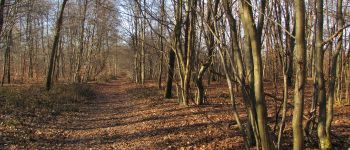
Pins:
x,y
125,115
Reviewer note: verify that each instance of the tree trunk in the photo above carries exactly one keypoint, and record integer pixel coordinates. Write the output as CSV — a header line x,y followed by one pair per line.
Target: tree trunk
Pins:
x,y
77,74
255,39
176,50
7,60
143,56
211,14
320,83
289,46
2,9
29,40
300,63
237,56
2,5
55,46
170,76
326,144
185,56
284,105
232,96
161,44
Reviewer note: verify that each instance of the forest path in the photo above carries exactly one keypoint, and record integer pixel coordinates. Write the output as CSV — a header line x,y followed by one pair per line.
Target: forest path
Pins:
x,y
128,116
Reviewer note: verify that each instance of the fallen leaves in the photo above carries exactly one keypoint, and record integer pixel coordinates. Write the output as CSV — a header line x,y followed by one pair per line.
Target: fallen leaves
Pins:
x,y
127,116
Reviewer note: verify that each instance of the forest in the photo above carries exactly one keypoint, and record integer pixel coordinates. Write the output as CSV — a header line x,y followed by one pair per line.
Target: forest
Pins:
x,y
175,74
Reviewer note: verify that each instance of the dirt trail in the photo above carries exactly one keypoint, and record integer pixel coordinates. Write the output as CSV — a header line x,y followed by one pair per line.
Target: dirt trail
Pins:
x,y
126,116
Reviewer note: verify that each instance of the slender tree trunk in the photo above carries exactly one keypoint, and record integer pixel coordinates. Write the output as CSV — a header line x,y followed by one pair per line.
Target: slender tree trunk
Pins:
x,y
142,59
160,75
7,60
300,63
320,83
2,9
170,76
136,44
284,105
143,56
136,77
176,51
347,78
211,14
2,5
29,40
161,44
250,78
77,74
255,39
232,96
55,46
329,118
289,46
185,59
237,56
8,66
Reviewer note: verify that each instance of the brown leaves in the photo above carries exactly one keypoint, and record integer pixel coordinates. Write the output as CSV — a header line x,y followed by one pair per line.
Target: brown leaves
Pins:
x,y
127,116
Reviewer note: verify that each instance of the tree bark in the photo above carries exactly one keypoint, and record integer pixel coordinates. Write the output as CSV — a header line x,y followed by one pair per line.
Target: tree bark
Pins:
x,y
161,43
237,56
289,46
326,143
55,46
320,83
2,9
211,14
77,74
300,63
255,41
7,59
170,76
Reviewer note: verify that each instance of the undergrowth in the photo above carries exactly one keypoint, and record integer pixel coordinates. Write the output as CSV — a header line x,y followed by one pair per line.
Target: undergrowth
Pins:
x,y
37,101
24,109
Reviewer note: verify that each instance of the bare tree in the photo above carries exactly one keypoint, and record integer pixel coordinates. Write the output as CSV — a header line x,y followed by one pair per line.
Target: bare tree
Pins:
x,y
59,23
300,63
255,33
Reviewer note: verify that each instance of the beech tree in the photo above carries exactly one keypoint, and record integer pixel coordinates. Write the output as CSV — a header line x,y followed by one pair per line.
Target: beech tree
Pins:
x,y
255,33
59,23
300,63
77,75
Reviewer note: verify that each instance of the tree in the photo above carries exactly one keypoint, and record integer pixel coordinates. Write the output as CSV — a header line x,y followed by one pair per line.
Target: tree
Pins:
x,y
325,142
77,75
287,59
212,10
161,42
7,57
320,83
143,57
59,23
300,63
170,74
255,42
289,44
237,57
184,51
2,7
